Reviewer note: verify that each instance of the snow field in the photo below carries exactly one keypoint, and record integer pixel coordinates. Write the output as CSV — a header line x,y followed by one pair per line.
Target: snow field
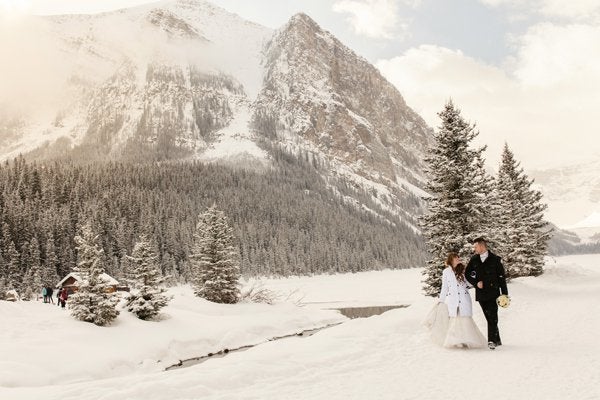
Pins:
x,y
551,349
42,344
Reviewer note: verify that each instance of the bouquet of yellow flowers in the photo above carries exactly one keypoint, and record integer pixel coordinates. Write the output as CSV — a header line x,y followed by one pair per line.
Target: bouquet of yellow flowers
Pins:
x,y
503,301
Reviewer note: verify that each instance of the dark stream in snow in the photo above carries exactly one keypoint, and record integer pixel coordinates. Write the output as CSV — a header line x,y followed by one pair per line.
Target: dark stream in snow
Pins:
x,y
365,312
350,312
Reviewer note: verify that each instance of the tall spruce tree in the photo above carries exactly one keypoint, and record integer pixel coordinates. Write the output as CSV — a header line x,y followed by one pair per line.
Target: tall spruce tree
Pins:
x,y
92,302
148,298
32,284
14,275
458,209
519,217
214,262
49,275
3,275
3,288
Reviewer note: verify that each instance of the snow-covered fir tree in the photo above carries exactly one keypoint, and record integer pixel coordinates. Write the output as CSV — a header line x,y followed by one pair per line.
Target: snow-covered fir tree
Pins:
x,y
147,298
49,275
3,288
13,276
33,280
170,269
458,209
32,284
3,275
215,270
92,302
518,215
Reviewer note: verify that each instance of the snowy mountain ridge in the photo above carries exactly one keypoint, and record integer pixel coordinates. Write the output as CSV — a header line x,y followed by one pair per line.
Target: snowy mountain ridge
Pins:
x,y
573,194
189,80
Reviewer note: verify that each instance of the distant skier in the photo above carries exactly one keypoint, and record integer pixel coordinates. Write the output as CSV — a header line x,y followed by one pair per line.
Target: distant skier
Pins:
x,y
45,294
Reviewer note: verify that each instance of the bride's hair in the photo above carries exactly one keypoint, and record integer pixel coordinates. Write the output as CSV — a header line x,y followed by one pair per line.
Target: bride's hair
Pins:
x,y
450,258
459,270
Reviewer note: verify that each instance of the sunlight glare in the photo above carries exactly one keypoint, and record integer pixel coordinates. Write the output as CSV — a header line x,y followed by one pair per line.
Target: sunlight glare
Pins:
x,y
13,8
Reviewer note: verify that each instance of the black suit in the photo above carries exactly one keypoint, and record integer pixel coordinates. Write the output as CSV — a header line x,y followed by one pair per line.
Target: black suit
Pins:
x,y
491,273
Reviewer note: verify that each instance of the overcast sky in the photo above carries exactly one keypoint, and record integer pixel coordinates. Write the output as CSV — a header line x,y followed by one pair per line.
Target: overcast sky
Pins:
x,y
526,71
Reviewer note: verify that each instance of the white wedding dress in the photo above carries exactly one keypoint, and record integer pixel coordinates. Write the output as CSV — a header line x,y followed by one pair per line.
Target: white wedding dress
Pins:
x,y
451,320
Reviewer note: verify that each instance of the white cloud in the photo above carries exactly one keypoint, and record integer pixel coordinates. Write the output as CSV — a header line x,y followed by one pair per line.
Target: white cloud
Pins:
x,y
544,102
46,7
551,54
375,18
571,9
34,76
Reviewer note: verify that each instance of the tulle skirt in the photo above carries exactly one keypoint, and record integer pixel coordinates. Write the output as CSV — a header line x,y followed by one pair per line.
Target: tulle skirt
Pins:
x,y
455,331
462,332
437,322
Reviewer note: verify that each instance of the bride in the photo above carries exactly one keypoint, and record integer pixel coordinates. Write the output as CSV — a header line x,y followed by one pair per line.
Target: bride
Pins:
x,y
451,321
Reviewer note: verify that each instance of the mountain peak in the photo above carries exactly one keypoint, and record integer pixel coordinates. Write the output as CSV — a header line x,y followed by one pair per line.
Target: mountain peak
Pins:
x,y
172,24
303,19
195,5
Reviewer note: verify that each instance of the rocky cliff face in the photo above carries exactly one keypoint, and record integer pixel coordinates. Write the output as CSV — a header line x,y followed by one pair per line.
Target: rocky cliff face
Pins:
x,y
325,99
184,79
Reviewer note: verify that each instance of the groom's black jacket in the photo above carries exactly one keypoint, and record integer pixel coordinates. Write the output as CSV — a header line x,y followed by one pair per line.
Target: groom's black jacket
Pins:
x,y
490,272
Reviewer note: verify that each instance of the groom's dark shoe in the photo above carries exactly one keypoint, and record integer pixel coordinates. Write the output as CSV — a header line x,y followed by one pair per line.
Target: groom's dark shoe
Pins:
x,y
492,345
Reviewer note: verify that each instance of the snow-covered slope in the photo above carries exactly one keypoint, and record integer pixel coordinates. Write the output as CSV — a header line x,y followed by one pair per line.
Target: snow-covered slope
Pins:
x,y
46,346
588,229
550,352
162,74
236,143
184,79
572,193
591,221
178,31
321,98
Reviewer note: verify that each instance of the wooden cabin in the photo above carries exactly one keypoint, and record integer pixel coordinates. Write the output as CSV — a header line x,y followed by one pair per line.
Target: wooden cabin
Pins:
x,y
71,283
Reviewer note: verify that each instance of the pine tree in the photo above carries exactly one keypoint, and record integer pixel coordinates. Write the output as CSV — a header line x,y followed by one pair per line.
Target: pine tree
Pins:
x,y
3,275
3,288
6,239
149,298
458,186
14,278
214,261
519,217
92,302
32,284
168,265
49,275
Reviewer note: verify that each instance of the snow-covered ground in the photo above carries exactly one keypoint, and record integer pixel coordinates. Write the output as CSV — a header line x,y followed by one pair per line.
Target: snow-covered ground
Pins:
x,y
550,333
236,141
41,344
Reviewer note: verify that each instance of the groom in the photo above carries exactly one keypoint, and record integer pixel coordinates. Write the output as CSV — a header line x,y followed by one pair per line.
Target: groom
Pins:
x,y
486,272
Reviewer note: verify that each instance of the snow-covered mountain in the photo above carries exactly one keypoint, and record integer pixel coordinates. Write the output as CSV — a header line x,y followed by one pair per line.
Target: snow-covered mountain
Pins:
x,y
319,96
573,195
185,79
169,74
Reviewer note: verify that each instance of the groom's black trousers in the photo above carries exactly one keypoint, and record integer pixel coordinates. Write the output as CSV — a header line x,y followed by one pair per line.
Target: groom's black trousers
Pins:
x,y
490,310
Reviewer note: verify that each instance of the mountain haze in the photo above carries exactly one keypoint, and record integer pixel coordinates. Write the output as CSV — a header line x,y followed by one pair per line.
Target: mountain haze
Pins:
x,y
186,81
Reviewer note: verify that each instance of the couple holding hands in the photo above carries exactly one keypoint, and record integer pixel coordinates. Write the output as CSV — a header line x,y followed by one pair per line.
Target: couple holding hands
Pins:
x,y
451,321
